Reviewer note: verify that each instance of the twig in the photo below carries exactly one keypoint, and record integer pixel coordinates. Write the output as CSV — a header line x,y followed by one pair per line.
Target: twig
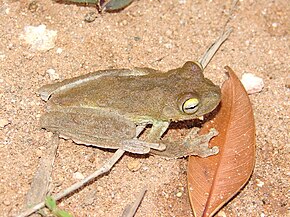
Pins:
x,y
40,182
131,209
207,56
104,169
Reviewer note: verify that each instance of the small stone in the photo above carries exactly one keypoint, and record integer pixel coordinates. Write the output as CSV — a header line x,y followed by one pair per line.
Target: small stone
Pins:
x,y
247,43
52,74
59,50
124,23
275,25
221,214
3,122
33,6
168,32
38,153
2,56
137,38
78,175
4,9
39,38
100,189
134,165
6,203
42,148
168,45
182,1
90,17
179,194
252,83
259,183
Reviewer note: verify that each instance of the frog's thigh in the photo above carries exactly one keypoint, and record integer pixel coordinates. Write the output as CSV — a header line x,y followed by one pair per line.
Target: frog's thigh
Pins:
x,y
102,129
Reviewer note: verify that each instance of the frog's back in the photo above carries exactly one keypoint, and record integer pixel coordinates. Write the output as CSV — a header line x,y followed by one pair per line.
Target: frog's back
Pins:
x,y
152,95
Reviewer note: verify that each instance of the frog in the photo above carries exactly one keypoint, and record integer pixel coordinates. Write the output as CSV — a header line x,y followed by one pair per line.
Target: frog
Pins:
x,y
110,108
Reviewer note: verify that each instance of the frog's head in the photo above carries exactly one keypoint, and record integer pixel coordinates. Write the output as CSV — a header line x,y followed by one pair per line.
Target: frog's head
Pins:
x,y
198,95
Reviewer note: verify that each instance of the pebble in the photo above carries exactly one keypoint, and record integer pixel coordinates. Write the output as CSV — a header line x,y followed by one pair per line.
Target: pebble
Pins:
x,y
52,74
59,50
78,175
252,83
179,194
134,165
182,1
6,202
2,56
221,214
90,17
38,153
100,188
168,45
39,38
33,6
259,183
3,122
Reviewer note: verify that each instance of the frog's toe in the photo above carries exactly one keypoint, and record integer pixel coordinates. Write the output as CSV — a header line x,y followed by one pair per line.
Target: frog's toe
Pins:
x,y
215,150
157,146
136,149
135,146
206,152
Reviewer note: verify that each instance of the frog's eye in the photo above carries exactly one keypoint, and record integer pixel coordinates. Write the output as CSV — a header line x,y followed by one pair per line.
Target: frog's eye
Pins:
x,y
190,106
189,103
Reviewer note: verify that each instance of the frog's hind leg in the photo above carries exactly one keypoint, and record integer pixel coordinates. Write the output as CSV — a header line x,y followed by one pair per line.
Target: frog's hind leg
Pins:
x,y
96,128
89,127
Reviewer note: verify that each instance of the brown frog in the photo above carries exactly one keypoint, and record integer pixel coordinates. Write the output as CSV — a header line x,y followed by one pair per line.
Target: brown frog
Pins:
x,y
109,108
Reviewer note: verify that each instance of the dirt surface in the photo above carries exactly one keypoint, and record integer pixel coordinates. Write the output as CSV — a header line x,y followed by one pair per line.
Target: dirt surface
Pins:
x,y
157,34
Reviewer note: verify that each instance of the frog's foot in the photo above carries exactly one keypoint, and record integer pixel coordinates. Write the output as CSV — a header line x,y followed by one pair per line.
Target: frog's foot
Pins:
x,y
192,145
137,146
199,145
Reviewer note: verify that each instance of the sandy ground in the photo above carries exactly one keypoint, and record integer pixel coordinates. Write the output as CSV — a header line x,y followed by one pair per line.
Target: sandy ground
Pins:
x,y
157,34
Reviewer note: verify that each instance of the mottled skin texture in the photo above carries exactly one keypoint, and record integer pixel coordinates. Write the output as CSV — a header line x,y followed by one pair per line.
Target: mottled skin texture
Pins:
x,y
103,108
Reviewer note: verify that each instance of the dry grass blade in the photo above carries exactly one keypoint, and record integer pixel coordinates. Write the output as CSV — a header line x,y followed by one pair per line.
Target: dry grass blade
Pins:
x,y
104,169
215,180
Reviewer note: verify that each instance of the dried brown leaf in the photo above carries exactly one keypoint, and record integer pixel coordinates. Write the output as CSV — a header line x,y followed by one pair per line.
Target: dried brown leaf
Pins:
x,y
213,181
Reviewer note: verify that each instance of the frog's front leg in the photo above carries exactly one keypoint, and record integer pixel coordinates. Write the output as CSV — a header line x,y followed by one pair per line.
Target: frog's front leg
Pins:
x,y
199,144
157,130
134,145
193,144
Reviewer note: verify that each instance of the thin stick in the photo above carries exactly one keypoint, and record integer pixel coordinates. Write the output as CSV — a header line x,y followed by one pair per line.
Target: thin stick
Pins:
x,y
131,209
104,169
207,56
40,182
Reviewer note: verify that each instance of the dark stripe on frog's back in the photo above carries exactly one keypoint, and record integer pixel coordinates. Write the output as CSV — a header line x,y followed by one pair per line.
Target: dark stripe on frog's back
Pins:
x,y
143,95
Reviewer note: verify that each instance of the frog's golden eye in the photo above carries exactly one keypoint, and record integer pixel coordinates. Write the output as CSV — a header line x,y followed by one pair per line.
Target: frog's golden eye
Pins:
x,y
189,103
190,106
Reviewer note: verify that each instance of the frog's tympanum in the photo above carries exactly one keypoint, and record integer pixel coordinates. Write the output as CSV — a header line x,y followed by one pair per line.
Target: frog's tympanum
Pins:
x,y
110,108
